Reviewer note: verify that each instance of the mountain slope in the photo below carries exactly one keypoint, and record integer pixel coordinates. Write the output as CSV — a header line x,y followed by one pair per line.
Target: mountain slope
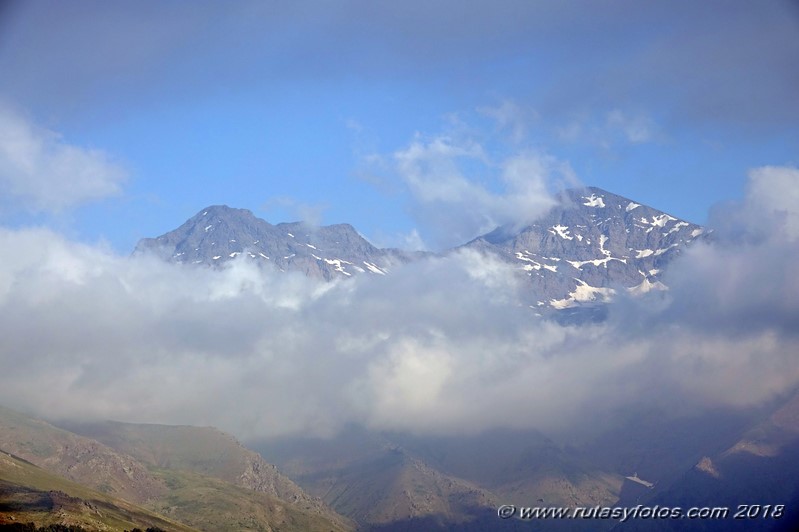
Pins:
x,y
524,466
377,483
179,472
592,244
759,468
205,451
407,482
29,494
220,233
77,458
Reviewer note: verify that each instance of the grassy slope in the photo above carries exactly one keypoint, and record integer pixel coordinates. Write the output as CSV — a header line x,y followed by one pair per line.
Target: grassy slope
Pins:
x,y
165,469
31,494
213,453
211,504
82,460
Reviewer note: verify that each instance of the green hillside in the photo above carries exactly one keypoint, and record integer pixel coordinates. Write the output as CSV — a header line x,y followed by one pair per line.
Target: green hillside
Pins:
x,y
200,477
31,494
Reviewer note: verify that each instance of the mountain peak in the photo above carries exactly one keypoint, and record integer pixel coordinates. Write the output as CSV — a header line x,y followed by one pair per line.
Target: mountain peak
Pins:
x,y
221,212
590,246
220,233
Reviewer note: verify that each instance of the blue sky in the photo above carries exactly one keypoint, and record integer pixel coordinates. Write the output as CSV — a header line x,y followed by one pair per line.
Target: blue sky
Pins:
x,y
308,109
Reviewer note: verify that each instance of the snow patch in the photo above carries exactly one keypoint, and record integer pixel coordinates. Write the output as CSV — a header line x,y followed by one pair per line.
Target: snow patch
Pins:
x,y
338,265
534,264
374,269
594,201
596,262
647,286
602,240
664,250
676,227
658,220
562,231
632,205
583,292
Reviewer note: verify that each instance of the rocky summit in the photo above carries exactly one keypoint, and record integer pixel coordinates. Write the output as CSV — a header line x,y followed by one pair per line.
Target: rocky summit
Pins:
x,y
591,245
219,233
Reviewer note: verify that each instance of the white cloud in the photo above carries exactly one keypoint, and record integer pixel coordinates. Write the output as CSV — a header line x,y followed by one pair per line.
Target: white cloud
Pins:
x,y
40,172
611,129
767,214
413,241
285,206
774,190
636,128
511,117
453,200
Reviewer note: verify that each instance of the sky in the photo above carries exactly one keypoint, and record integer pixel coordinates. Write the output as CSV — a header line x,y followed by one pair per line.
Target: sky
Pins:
x,y
422,124
309,109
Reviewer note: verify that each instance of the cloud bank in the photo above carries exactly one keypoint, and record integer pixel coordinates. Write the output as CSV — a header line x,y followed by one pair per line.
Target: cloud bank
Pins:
x,y
439,346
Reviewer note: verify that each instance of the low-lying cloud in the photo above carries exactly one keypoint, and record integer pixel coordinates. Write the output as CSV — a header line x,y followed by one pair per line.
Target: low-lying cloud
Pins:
x,y
439,346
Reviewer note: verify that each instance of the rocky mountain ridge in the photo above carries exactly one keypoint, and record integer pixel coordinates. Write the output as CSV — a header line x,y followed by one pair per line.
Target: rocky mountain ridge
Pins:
x,y
219,233
582,252
590,246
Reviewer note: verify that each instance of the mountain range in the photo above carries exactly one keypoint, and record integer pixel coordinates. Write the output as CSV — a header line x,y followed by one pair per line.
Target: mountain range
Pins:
x,y
219,233
588,247
120,476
